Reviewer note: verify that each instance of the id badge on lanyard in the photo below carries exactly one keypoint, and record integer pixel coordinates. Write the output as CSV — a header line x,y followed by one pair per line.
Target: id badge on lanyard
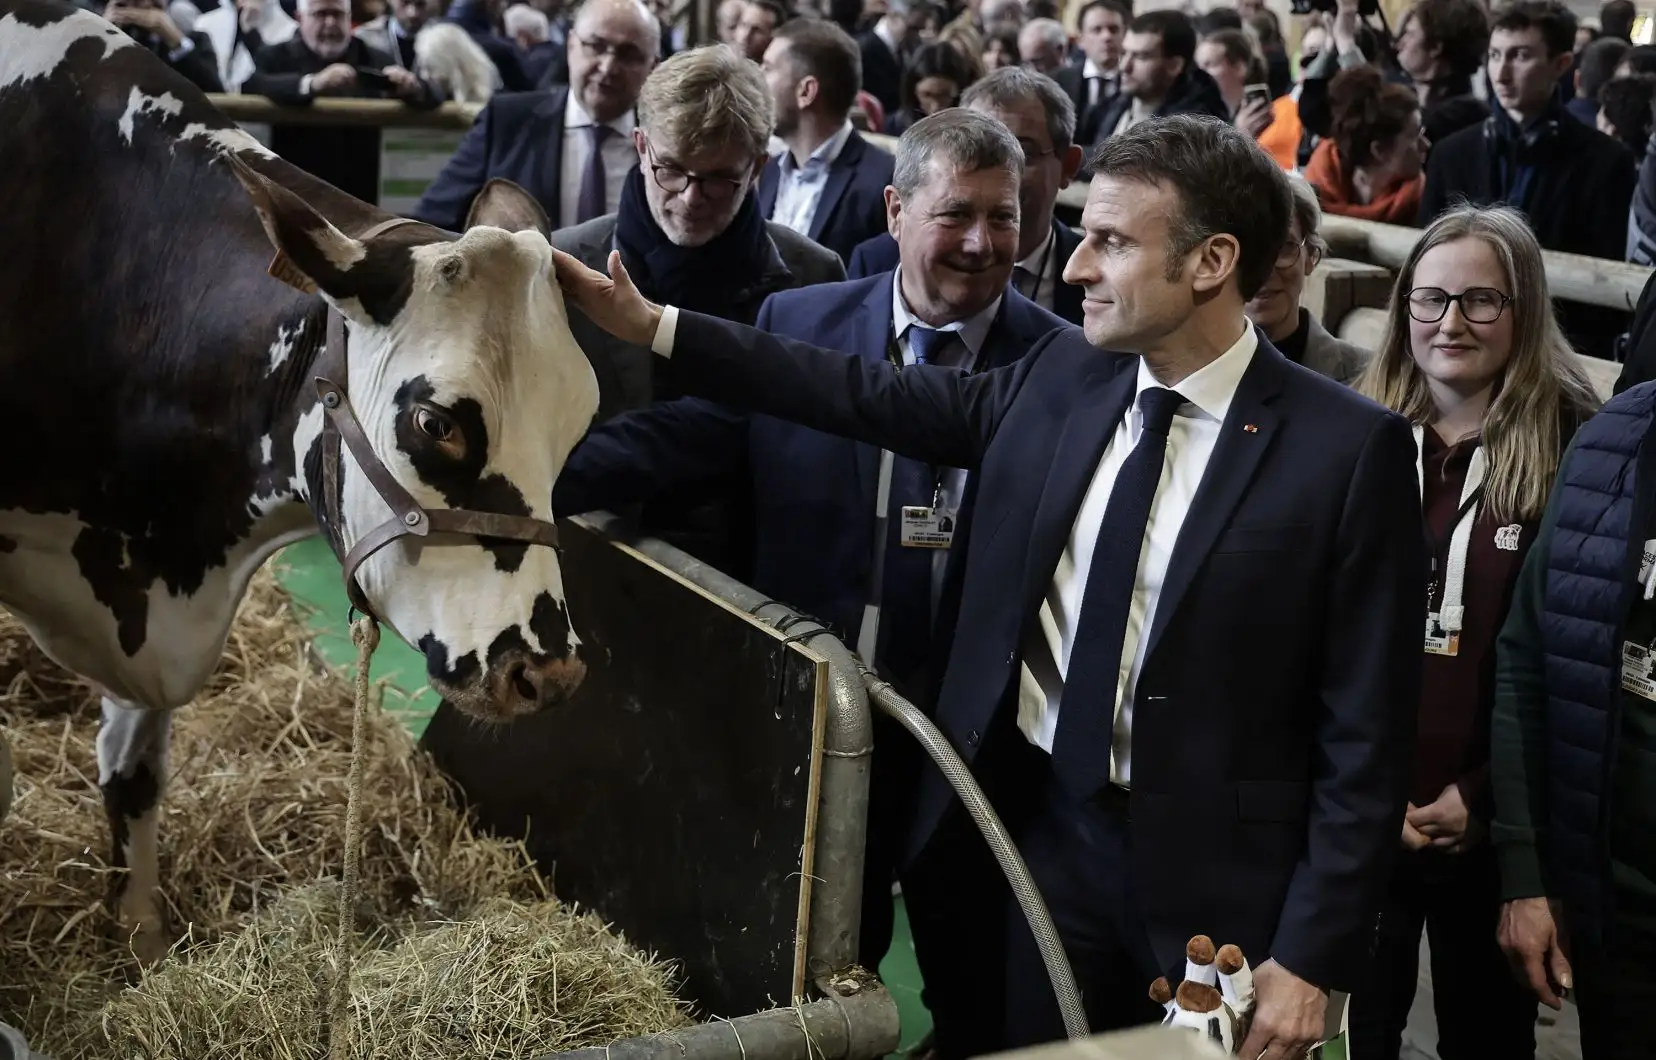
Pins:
x,y
1448,556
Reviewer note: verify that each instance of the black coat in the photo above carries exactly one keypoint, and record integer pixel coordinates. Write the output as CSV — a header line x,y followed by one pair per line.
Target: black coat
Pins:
x,y
346,158
199,65
882,72
1194,92
1577,201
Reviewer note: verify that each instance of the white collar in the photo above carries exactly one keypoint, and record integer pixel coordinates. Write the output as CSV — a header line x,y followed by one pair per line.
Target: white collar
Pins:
x,y
1036,262
1090,69
827,152
1211,387
576,117
974,330
883,31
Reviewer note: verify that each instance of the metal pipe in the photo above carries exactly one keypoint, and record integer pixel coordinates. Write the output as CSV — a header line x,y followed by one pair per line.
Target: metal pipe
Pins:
x,y
857,1020
358,113
847,746
1000,844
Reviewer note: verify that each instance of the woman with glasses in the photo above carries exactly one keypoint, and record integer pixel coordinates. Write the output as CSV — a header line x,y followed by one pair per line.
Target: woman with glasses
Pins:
x,y
1474,358
1276,309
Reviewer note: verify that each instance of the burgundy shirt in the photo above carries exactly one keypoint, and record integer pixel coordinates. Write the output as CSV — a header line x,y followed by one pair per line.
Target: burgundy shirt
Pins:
x,y
1458,691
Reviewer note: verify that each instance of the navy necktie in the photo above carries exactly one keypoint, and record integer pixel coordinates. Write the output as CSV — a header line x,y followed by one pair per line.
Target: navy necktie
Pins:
x,y
1086,713
924,342
905,593
591,203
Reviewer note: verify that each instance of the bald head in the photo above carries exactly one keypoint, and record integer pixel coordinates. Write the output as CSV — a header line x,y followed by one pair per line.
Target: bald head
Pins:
x,y
612,49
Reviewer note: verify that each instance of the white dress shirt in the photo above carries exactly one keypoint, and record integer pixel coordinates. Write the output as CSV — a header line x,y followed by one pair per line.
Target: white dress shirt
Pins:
x,y
1190,441
1043,264
1099,84
799,188
619,157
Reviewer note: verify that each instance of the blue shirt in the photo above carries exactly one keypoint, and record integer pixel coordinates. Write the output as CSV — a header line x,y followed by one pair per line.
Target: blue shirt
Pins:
x,y
799,188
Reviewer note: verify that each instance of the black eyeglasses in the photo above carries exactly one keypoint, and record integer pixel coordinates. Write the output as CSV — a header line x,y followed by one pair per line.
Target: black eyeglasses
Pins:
x,y
1479,305
672,179
624,54
1291,250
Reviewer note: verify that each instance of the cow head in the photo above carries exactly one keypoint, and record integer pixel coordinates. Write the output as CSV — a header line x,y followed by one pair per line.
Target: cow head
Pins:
x,y
472,392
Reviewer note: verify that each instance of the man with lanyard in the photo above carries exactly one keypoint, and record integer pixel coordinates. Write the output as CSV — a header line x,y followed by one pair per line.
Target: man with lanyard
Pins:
x,y
850,534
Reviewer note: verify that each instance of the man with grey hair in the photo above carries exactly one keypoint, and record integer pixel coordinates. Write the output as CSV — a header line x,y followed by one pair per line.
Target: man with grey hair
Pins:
x,y
570,146
688,227
323,59
1276,308
860,537
1043,46
1039,113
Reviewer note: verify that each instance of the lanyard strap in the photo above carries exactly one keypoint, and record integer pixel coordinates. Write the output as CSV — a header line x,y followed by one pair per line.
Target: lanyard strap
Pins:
x,y
1449,556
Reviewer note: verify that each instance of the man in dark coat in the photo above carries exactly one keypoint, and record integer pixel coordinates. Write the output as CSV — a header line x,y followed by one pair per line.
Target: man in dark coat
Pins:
x,y
147,22
323,59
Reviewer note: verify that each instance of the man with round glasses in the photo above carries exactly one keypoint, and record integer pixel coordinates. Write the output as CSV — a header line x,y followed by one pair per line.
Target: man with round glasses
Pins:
x,y
688,227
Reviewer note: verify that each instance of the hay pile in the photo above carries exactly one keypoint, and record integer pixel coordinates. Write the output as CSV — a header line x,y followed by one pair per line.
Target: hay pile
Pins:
x,y
466,954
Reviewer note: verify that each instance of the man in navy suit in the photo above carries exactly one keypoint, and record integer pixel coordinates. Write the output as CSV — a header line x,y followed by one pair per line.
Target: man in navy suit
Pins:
x,y
1042,117
830,539
829,185
1188,615
571,146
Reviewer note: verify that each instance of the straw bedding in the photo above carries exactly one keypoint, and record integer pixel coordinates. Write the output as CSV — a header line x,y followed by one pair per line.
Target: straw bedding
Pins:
x,y
462,952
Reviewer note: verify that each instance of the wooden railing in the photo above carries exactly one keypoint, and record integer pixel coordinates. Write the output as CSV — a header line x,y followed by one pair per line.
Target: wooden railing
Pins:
x,y
357,113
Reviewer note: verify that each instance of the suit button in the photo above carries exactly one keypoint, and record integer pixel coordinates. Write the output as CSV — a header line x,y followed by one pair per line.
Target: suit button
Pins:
x,y
972,738
1011,657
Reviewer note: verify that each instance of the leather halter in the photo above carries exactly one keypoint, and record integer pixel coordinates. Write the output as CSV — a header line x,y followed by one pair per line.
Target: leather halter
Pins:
x,y
408,517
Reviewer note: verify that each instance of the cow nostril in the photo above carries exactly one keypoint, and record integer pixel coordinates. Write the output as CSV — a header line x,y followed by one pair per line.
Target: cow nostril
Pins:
x,y
523,684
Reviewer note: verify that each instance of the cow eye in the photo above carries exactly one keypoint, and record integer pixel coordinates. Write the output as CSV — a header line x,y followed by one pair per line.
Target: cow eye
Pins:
x,y
432,425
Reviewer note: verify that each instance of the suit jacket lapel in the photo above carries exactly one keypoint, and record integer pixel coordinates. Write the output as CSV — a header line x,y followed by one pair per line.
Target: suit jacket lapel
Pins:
x,y
1106,395
1066,297
550,171
1244,438
873,340
769,178
839,178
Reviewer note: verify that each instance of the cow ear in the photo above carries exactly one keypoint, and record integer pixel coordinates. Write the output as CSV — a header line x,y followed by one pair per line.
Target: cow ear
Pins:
x,y
502,204
311,253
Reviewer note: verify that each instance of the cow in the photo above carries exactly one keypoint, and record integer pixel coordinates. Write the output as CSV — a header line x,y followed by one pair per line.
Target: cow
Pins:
x,y
169,294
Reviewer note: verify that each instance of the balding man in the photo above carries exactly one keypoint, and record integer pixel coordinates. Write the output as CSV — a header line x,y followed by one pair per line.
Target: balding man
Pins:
x,y
570,146
1043,46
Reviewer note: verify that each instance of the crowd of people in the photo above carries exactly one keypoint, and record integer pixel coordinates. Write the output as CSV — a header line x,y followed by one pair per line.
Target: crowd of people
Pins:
x,y
1302,773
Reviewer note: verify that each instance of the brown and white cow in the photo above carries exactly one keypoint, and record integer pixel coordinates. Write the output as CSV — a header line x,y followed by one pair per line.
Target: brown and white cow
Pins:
x,y
158,384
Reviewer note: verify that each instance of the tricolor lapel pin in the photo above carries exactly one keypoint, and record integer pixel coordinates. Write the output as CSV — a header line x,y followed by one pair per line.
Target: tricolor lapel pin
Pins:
x,y
1250,428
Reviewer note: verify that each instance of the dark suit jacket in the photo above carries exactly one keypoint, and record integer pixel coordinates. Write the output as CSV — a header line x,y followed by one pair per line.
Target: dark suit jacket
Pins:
x,y
346,158
814,493
880,254
199,65
1276,705
882,72
852,206
518,136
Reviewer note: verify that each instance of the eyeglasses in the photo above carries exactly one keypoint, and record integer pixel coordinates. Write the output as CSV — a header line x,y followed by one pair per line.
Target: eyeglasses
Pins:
x,y
623,54
1479,305
673,180
1291,251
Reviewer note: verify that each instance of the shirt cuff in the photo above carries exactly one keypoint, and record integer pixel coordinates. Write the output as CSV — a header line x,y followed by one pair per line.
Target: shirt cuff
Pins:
x,y
662,344
185,47
305,85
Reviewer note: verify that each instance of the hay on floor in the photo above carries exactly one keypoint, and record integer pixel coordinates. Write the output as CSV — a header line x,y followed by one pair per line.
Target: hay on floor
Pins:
x,y
253,818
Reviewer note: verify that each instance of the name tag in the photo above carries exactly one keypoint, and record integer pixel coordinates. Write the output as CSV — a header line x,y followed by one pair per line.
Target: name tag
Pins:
x,y
927,527
1646,559
1636,670
1440,641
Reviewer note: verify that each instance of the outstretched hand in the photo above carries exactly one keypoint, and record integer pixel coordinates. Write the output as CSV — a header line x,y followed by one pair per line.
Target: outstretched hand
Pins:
x,y
611,302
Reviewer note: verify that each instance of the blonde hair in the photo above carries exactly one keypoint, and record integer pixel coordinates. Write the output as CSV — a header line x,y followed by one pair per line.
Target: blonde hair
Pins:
x,y
707,99
1540,384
